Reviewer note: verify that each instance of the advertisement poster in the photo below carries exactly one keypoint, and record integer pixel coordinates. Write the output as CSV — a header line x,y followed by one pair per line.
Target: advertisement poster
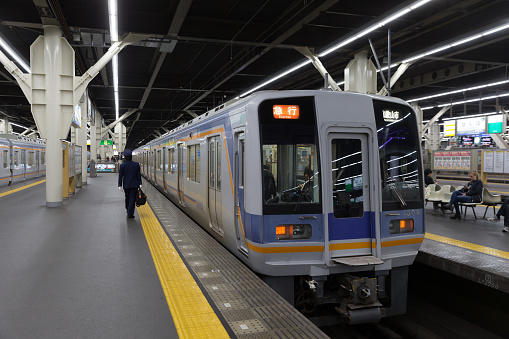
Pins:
x,y
452,160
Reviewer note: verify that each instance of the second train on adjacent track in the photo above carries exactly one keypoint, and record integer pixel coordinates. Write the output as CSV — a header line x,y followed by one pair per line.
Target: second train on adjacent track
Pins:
x,y
319,192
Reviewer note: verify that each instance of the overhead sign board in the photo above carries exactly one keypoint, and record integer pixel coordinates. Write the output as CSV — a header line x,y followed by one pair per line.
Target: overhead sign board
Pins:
x,y
471,126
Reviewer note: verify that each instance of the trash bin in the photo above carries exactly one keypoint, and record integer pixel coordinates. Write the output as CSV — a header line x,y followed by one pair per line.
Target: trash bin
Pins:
x,y
93,170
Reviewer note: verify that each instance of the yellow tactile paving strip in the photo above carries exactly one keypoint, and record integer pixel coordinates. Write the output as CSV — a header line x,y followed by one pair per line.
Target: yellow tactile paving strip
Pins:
x,y
21,188
469,246
192,314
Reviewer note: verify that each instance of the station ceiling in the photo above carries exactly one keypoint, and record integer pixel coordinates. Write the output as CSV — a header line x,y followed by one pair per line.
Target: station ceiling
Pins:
x,y
202,53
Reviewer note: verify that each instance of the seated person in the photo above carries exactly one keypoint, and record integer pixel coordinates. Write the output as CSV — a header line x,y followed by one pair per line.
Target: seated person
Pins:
x,y
307,187
469,193
269,184
500,212
428,180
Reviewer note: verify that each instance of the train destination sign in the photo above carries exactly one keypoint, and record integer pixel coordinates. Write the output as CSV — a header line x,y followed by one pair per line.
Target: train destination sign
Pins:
x,y
390,115
285,111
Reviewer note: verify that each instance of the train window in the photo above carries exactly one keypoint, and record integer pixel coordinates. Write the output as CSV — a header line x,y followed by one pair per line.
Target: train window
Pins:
x,y
399,155
6,157
218,149
30,158
170,160
193,170
173,161
16,159
347,193
159,160
43,158
212,168
289,155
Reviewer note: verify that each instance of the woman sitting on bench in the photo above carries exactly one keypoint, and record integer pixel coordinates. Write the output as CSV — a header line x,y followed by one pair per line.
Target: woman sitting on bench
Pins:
x,y
469,193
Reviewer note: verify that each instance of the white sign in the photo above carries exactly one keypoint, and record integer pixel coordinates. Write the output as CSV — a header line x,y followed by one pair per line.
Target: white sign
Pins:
x,y
488,161
506,162
498,163
471,126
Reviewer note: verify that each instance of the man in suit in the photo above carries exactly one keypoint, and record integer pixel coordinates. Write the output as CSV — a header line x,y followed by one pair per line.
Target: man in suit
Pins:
x,y
130,178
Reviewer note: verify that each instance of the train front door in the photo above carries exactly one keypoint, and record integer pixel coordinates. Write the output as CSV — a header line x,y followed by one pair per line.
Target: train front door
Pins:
x,y
239,193
214,178
350,220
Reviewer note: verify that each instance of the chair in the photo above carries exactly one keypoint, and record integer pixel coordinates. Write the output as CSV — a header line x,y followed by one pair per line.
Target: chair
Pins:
x,y
430,188
437,197
490,199
472,205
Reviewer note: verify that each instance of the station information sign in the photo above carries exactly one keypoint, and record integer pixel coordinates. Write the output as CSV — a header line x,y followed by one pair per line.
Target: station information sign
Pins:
x,y
471,126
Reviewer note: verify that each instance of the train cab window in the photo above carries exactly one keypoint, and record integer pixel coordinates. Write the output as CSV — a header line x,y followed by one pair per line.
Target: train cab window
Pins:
x,y
347,193
399,155
289,154
5,155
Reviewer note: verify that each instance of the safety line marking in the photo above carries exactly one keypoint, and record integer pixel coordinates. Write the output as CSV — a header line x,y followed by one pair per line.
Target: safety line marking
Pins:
x,y
192,314
21,188
468,246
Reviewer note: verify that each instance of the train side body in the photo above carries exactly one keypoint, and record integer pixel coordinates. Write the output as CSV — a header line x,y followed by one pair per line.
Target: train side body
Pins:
x,y
21,159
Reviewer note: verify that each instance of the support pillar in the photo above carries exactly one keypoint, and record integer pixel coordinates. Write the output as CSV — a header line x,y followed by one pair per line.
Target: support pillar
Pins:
x,y
4,126
52,89
82,139
53,69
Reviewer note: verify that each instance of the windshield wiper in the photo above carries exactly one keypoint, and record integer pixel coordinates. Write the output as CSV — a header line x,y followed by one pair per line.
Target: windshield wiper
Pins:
x,y
393,187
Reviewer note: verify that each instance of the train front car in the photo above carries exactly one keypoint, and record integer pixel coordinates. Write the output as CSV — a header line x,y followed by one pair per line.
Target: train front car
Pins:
x,y
333,212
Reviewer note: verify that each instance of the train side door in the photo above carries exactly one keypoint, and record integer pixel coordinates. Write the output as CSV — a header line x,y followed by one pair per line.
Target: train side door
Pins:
x,y
215,177
350,229
181,173
239,193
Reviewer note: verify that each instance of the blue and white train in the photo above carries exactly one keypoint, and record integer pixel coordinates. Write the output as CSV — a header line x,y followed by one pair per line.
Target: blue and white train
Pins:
x,y
319,192
21,159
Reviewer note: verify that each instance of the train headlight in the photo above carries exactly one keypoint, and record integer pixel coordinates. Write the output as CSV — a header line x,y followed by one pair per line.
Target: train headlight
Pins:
x,y
398,226
293,232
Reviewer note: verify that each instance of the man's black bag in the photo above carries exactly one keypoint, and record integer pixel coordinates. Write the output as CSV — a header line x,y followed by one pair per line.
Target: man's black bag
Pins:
x,y
141,198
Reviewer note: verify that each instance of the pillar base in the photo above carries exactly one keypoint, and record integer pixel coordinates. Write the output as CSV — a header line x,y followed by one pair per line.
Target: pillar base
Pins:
x,y
54,204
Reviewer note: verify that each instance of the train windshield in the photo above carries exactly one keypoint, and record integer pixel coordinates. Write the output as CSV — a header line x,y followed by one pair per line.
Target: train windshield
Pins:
x,y
290,166
400,158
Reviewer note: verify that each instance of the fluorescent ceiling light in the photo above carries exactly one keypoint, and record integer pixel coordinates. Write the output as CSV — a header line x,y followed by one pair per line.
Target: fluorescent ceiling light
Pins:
x,y
343,43
460,91
112,8
13,54
459,42
471,116
468,101
113,14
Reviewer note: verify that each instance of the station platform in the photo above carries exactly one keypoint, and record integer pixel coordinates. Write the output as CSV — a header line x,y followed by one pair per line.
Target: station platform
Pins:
x,y
86,270
474,249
